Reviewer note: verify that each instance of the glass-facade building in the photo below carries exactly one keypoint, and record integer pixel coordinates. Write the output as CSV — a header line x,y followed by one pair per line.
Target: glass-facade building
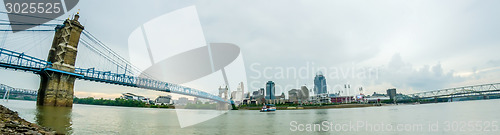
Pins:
x,y
270,90
319,84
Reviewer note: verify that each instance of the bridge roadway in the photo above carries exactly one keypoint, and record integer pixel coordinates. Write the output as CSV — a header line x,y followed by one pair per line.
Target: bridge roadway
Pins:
x,y
20,61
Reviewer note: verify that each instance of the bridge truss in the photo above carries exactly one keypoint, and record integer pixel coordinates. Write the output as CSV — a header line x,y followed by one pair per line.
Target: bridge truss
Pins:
x,y
474,90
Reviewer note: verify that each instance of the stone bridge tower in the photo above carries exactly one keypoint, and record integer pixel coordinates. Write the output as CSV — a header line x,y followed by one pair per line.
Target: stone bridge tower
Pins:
x,y
56,89
223,95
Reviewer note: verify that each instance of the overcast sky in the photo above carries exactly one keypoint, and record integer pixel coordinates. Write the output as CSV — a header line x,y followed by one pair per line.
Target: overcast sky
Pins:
x,y
413,45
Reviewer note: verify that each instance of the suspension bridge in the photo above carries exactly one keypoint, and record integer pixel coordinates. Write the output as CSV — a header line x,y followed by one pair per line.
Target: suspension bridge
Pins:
x,y
58,72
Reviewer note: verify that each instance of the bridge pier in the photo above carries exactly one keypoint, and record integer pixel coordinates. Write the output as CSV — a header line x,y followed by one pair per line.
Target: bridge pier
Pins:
x,y
222,106
223,94
56,89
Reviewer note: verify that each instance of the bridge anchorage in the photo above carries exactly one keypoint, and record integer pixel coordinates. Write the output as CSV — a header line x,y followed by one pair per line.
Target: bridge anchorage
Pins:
x,y
56,89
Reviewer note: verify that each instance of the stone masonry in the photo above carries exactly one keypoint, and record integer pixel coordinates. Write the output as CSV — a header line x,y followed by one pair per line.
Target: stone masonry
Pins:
x,y
56,89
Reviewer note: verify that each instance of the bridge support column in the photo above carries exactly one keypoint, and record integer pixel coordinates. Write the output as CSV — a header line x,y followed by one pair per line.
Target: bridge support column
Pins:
x,y
222,106
56,89
223,95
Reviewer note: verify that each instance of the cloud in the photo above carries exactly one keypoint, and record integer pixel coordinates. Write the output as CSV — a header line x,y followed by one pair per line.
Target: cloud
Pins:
x,y
407,78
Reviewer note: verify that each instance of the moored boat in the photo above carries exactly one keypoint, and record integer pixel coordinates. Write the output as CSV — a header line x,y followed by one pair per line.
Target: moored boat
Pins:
x,y
268,108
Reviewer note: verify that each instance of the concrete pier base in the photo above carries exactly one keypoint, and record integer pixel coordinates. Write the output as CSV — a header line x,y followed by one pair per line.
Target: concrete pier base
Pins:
x,y
56,90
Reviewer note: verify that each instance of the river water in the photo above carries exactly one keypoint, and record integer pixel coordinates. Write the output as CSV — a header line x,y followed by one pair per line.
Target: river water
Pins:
x,y
466,117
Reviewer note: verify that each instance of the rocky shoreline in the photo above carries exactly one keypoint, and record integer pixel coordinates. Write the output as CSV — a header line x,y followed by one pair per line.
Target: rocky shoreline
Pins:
x,y
12,124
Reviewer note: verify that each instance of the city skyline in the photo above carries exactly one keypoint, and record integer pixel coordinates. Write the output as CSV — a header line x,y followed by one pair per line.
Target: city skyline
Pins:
x,y
405,46
249,67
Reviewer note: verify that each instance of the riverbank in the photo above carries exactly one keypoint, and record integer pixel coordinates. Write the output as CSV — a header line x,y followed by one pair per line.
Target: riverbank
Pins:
x,y
312,107
11,123
118,102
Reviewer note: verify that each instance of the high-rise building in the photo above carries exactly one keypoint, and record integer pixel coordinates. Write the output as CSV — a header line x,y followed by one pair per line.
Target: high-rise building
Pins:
x,y
305,93
294,95
242,89
262,91
238,95
298,95
392,94
270,90
319,84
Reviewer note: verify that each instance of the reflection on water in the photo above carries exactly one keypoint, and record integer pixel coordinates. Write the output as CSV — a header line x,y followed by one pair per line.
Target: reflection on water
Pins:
x,y
56,118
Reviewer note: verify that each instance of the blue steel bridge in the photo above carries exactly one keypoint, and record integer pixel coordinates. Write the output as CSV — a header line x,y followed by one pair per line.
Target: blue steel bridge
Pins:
x,y
20,61
125,74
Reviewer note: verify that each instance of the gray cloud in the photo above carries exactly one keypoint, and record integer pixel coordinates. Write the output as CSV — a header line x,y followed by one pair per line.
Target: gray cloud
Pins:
x,y
404,76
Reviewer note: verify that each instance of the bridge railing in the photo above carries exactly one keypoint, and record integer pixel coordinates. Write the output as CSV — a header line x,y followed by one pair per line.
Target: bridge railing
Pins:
x,y
18,60
128,80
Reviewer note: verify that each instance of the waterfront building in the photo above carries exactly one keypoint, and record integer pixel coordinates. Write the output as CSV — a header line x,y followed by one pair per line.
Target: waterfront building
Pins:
x,y
258,94
305,93
375,94
254,94
262,91
321,98
241,90
341,99
270,90
247,95
255,97
392,94
298,95
282,96
238,95
131,96
294,95
319,84
163,100
334,95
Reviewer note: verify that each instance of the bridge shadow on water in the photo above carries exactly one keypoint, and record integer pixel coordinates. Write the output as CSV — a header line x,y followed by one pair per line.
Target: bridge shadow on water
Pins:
x,y
56,118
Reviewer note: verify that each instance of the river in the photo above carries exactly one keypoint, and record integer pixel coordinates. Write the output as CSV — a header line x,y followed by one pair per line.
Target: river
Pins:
x,y
466,117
